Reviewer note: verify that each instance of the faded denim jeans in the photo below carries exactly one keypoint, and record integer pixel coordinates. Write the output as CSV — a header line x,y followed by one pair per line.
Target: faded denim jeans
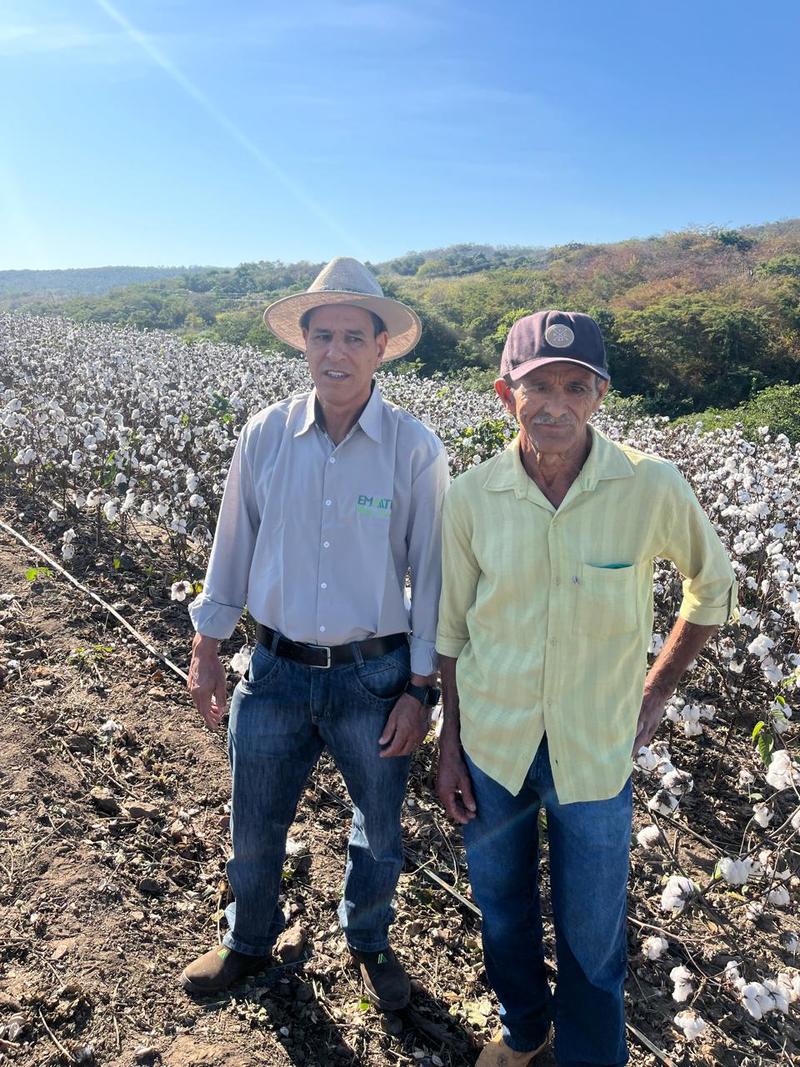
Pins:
x,y
283,714
589,845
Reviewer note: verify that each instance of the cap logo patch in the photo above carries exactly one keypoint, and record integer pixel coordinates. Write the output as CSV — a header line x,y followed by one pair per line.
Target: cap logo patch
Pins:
x,y
559,336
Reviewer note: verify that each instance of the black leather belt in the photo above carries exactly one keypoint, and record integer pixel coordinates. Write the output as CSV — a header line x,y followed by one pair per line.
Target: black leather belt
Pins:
x,y
325,656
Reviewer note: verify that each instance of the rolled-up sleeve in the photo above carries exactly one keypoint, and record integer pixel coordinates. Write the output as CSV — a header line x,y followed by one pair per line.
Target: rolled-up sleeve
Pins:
x,y
460,574
425,560
216,611
709,582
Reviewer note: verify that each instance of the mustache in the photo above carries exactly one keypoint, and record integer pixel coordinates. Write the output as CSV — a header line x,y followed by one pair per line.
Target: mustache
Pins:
x,y
546,420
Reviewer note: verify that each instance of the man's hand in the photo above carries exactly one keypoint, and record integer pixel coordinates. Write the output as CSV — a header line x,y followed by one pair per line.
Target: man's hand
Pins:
x,y
207,681
650,715
405,728
683,644
454,785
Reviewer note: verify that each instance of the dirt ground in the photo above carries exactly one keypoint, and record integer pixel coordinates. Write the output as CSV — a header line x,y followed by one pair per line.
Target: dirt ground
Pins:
x,y
112,851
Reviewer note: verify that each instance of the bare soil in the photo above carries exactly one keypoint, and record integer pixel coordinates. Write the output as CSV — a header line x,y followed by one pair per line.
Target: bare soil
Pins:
x,y
112,853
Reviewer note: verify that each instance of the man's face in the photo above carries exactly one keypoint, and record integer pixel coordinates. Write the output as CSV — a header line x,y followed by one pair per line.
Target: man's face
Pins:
x,y
552,404
343,353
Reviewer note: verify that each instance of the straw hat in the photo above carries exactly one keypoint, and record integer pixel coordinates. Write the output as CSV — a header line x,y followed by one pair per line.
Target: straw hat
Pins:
x,y
345,281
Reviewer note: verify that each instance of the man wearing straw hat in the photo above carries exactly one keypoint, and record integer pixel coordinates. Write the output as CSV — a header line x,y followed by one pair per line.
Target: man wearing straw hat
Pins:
x,y
332,499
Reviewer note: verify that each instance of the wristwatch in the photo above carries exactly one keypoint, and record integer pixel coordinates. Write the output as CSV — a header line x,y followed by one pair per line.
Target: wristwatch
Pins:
x,y
427,695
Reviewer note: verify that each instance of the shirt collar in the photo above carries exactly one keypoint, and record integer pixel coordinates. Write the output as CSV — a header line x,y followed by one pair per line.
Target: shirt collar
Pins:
x,y
370,420
606,460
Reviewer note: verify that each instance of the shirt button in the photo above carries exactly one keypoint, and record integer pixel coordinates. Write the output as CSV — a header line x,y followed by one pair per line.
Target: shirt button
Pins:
x,y
322,629
328,503
326,544
324,585
332,459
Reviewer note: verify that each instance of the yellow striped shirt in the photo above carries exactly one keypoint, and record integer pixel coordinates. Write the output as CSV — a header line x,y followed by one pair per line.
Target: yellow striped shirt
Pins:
x,y
550,611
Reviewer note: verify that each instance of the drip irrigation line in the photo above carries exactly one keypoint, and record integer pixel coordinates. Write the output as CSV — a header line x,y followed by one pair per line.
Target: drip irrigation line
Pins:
x,y
432,876
103,603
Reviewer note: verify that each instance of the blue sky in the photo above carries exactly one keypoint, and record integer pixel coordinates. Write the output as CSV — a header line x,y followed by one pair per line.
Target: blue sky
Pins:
x,y
168,132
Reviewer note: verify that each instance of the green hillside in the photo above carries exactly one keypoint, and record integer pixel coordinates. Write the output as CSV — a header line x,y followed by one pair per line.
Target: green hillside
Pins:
x,y
703,318
18,286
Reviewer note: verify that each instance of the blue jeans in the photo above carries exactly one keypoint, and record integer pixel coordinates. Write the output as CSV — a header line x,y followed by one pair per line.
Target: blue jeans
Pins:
x,y
283,714
588,846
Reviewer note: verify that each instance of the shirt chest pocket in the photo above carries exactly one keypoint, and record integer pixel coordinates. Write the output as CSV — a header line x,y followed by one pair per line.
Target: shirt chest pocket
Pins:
x,y
607,600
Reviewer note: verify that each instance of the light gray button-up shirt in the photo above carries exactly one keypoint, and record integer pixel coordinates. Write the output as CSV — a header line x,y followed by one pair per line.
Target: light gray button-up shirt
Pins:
x,y
317,538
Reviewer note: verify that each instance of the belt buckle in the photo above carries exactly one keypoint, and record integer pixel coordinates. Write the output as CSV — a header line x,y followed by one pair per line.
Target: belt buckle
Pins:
x,y
322,666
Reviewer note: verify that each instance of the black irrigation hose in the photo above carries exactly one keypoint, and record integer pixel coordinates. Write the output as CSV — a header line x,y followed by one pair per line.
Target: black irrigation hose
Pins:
x,y
432,876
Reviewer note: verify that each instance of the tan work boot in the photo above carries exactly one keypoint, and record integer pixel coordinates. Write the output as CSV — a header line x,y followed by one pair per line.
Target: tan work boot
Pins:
x,y
385,981
497,1054
219,968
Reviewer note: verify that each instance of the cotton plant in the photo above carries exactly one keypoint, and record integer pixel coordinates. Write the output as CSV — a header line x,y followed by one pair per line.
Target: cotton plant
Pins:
x,y
654,947
677,893
240,661
682,983
738,871
690,1023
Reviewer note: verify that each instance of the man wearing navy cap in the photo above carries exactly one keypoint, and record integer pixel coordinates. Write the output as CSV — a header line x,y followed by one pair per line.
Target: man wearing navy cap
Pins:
x,y
544,624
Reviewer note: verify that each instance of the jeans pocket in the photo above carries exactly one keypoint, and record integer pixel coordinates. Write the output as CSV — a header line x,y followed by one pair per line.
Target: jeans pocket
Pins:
x,y
383,679
263,667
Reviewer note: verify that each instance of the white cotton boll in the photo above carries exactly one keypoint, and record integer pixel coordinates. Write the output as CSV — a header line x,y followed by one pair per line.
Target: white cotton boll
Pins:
x,y
654,947
120,479
762,813
771,671
656,644
779,896
707,712
648,837
782,772
663,802
681,978
196,501
109,728
691,1024
760,646
754,911
690,713
647,759
795,819
756,999
692,729
778,994
162,509
731,973
111,510
780,723
80,500
53,514
746,777
735,871
672,713
750,619
241,660
192,482
679,783
67,551
736,666
677,893
790,942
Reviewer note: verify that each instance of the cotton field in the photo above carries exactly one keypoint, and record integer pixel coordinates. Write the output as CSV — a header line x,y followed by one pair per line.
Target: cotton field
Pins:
x,y
125,436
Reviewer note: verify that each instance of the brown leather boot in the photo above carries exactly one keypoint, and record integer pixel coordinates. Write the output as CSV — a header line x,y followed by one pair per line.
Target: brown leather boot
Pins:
x,y
219,968
497,1054
385,981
